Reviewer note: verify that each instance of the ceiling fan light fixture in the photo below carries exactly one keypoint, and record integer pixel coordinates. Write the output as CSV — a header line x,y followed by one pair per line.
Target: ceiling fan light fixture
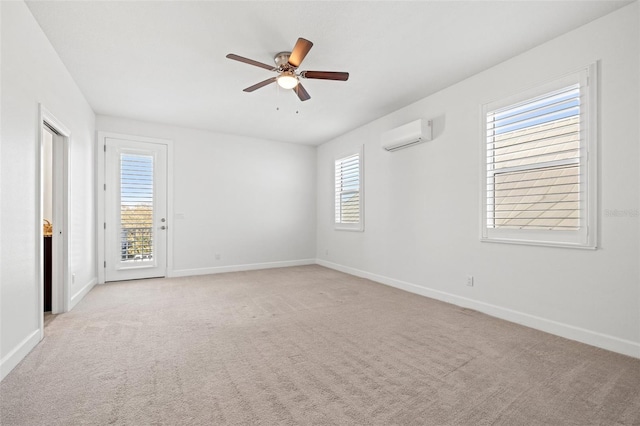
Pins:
x,y
287,80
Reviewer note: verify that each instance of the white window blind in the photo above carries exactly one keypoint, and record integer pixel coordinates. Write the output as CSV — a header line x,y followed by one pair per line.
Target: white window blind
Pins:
x,y
348,184
136,207
536,183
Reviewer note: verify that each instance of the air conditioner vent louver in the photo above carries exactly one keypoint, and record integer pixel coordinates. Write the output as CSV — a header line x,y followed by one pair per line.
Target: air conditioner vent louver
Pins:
x,y
410,134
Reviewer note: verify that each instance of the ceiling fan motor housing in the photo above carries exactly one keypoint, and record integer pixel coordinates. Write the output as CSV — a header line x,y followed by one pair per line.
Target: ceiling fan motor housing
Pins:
x,y
282,60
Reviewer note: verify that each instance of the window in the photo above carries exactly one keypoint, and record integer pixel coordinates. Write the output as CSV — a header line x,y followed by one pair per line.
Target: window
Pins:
x,y
539,182
348,195
136,207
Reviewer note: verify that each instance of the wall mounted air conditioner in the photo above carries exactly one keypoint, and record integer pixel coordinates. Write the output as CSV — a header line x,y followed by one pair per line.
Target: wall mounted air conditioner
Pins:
x,y
410,134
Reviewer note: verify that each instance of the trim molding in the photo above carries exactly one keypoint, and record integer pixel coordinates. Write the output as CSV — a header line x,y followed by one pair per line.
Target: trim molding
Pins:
x,y
240,268
600,340
82,293
18,353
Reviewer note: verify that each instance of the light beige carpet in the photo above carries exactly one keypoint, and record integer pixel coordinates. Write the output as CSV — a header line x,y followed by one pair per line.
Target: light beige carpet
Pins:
x,y
306,345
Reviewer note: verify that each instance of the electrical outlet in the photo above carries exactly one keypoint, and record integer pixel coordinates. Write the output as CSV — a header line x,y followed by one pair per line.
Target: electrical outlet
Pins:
x,y
326,252
217,256
73,278
470,280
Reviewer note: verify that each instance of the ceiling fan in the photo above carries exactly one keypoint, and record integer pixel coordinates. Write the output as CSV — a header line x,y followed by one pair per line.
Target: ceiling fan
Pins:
x,y
287,64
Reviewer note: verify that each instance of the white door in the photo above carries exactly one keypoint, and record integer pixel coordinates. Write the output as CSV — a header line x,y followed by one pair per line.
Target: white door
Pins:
x,y
135,210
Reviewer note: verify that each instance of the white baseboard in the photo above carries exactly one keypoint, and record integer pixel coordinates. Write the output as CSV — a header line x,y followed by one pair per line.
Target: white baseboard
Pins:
x,y
18,353
82,293
593,338
240,268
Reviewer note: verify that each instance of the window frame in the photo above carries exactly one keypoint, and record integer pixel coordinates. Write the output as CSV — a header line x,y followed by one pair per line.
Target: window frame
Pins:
x,y
359,226
586,236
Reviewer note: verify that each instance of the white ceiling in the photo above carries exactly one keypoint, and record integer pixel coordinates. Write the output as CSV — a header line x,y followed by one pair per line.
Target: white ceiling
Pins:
x,y
165,61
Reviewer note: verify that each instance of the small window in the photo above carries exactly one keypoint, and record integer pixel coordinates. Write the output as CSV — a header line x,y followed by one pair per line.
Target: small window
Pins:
x,y
540,167
348,195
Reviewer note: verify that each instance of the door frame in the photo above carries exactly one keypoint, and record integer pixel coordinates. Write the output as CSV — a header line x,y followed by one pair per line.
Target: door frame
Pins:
x,y
60,296
100,198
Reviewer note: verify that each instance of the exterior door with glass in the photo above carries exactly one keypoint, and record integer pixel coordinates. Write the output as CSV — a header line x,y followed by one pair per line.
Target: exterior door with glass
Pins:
x,y
135,210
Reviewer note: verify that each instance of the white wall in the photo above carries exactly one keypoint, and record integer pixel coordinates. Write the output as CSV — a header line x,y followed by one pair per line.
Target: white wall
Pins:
x,y
32,73
422,205
251,201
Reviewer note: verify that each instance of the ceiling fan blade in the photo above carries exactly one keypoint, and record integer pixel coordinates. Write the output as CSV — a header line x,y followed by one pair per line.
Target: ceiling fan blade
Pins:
x,y
259,85
300,50
326,75
251,62
301,92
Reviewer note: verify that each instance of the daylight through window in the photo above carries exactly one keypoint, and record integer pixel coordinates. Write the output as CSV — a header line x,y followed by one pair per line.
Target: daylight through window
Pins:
x,y
536,166
348,203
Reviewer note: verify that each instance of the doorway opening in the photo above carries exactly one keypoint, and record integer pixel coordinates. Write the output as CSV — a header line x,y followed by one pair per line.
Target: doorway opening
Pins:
x,y
54,218
47,214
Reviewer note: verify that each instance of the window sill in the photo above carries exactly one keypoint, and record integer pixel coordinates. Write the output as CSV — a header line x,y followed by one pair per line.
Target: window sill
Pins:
x,y
344,228
539,243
